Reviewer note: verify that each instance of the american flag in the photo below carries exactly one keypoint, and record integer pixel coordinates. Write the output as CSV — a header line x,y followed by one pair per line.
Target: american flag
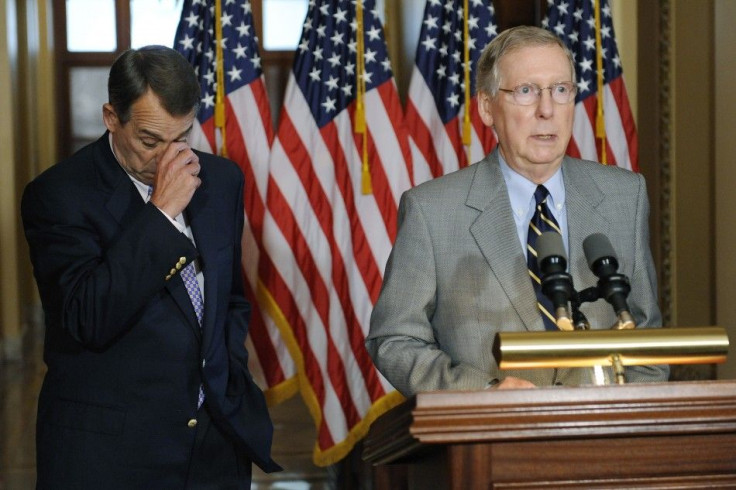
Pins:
x,y
327,241
247,137
435,110
574,21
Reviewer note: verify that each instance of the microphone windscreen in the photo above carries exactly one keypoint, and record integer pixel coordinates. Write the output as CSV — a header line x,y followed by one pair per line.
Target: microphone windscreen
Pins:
x,y
597,246
550,244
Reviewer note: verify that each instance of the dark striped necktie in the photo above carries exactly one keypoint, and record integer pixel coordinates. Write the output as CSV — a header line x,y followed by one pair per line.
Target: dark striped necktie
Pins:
x,y
541,221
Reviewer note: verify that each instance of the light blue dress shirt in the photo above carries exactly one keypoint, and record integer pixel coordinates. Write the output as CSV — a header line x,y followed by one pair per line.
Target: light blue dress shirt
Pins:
x,y
521,194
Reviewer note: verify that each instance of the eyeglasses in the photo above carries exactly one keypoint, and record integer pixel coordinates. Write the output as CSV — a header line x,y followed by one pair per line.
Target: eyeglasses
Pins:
x,y
529,93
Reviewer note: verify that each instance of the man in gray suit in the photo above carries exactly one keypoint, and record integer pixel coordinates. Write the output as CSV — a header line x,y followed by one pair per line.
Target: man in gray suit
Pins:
x,y
457,274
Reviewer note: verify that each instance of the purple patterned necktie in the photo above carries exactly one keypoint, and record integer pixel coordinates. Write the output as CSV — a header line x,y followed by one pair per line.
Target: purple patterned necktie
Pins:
x,y
189,276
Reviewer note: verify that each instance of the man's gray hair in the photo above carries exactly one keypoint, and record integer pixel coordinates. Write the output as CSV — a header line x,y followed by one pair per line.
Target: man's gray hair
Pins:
x,y
488,78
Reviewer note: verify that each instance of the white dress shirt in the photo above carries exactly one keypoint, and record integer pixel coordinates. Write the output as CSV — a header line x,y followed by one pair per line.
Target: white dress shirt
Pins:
x,y
179,222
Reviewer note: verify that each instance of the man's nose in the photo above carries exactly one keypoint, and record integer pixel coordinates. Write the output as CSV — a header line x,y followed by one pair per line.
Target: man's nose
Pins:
x,y
545,104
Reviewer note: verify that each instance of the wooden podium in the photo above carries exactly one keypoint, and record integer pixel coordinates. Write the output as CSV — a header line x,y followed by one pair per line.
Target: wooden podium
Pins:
x,y
665,435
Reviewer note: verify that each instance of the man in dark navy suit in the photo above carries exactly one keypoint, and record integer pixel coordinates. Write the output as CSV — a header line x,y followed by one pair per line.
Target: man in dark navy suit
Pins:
x,y
135,243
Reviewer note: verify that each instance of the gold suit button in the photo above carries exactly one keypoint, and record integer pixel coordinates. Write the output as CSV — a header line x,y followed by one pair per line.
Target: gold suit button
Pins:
x,y
172,271
168,277
182,260
192,423
178,266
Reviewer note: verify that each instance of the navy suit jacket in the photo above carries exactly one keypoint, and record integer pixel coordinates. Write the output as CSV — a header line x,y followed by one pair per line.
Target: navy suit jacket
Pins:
x,y
124,350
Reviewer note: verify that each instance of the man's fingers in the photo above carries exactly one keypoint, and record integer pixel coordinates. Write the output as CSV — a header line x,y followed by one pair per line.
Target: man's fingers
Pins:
x,y
193,166
178,154
511,383
178,159
172,154
177,177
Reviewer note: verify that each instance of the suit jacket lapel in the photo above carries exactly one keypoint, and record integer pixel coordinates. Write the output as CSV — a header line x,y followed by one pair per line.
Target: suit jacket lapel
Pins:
x,y
495,233
202,214
583,203
123,202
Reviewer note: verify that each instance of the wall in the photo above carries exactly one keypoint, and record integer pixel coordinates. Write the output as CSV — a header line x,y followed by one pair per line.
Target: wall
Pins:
x,y
10,318
27,137
725,175
693,166
625,18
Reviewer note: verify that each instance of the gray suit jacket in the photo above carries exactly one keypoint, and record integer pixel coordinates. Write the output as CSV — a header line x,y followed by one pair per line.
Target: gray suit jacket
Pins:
x,y
457,275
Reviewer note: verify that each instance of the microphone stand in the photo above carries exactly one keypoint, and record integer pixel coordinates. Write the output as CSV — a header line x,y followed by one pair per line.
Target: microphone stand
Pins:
x,y
580,322
577,298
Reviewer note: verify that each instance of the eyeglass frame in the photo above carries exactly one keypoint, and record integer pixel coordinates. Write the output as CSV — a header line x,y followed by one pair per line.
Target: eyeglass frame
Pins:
x,y
537,91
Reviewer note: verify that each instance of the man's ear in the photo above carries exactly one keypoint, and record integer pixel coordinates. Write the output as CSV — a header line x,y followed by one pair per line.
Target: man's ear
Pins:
x,y
110,118
484,109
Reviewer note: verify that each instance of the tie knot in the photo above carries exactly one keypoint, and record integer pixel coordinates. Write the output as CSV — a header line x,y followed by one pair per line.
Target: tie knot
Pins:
x,y
541,194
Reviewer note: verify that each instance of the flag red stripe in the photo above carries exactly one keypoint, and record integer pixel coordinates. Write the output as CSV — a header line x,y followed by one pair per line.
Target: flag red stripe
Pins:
x,y
283,297
318,289
234,137
618,88
265,350
382,192
252,199
370,270
485,134
572,149
208,129
254,207
361,253
453,130
423,139
264,109
335,369
591,105
274,282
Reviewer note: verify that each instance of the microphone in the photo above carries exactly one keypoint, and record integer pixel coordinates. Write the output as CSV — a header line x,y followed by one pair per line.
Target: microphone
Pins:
x,y
556,282
612,286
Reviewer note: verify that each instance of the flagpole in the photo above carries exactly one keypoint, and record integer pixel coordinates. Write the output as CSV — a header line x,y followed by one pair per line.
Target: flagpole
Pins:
x,y
360,126
220,73
600,122
466,59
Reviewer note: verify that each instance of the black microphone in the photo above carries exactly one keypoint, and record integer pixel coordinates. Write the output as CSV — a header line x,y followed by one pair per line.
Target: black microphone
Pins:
x,y
556,282
612,286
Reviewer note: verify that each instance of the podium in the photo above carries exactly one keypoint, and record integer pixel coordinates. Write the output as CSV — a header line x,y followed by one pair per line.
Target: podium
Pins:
x,y
661,435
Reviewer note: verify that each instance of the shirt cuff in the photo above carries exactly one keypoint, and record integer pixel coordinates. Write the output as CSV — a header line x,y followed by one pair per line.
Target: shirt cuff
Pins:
x,y
178,225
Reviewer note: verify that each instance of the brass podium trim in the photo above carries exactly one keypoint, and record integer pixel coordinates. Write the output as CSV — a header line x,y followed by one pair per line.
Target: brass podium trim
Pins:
x,y
582,348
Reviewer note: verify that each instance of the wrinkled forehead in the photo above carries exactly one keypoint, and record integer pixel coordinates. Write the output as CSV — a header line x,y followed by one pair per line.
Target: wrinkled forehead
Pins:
x,y
148,116
546,62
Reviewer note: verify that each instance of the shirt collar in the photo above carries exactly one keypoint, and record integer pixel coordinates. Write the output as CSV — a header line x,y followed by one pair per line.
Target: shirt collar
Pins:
x,y
521,190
